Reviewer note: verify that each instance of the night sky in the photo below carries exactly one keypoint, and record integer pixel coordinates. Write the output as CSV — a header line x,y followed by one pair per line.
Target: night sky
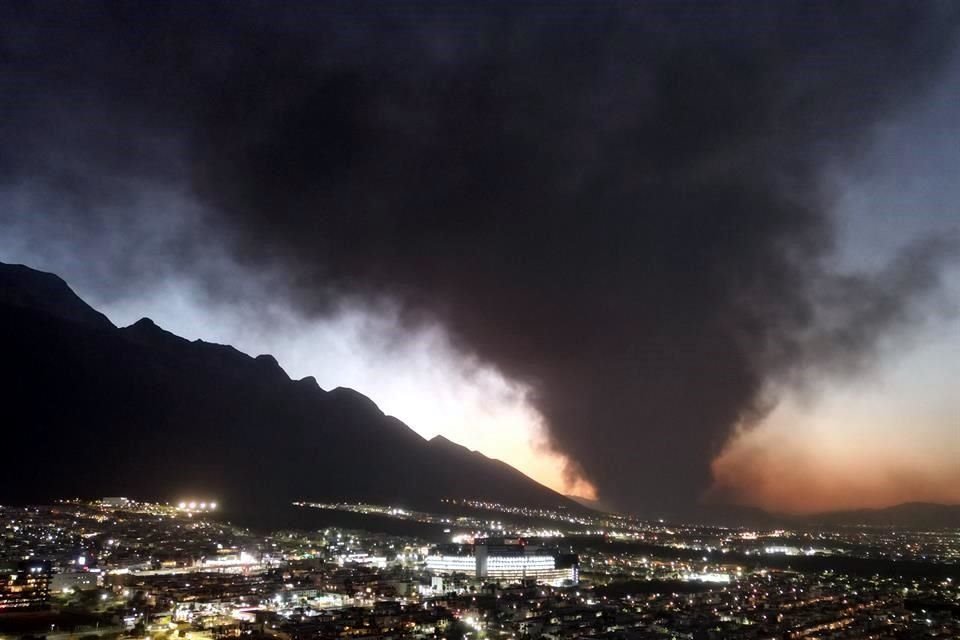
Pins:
x,y
659,253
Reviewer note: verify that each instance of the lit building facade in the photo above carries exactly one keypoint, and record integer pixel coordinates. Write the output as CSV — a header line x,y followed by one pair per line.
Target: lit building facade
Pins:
x,y
507,560
27,589
75,581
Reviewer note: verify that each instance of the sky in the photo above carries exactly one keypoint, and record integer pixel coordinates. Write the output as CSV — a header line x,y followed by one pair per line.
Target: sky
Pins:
x,y
891,433
659,255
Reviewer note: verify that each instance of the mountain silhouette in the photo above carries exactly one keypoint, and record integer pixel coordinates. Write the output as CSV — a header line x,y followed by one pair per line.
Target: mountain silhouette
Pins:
x,y
915,515
907,515
93,410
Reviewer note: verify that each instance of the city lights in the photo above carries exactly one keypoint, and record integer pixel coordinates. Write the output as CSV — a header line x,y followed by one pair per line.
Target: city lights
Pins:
x,y
161,561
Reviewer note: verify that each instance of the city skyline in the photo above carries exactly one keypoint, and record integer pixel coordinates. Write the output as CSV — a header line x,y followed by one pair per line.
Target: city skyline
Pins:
x,y
106,567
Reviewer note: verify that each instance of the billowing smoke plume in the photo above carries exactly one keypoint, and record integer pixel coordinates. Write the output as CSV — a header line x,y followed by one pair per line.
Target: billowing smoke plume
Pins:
x,y
621,205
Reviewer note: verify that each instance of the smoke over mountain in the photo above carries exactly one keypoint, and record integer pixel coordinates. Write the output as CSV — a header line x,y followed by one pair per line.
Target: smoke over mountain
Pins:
x,y
622,206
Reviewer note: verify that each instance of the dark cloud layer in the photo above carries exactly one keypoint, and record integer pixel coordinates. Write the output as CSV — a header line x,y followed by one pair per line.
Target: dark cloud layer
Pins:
x,y
619,204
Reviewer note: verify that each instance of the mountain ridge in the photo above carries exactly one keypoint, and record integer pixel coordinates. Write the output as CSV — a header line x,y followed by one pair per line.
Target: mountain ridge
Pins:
x,y
63,359
142,411
912,514
48,293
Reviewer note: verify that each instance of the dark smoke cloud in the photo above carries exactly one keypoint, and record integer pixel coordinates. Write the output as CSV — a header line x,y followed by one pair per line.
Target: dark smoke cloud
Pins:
x,y
619,204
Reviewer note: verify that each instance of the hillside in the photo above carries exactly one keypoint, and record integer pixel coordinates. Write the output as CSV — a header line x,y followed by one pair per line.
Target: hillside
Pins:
x,y
91,409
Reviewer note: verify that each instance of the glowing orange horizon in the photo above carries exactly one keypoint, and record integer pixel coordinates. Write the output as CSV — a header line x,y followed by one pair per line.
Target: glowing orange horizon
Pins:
x,y
846,453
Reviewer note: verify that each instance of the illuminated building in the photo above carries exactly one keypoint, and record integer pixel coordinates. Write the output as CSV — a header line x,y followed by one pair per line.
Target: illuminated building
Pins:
x,y
27,589
506,559
448,563
75,581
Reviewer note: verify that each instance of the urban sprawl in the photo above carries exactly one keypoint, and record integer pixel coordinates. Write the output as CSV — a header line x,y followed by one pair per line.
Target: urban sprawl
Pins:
x,y
116,568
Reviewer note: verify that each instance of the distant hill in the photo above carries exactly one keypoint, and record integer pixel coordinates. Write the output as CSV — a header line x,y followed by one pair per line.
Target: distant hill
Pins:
x,y
90,409
913,515
907,515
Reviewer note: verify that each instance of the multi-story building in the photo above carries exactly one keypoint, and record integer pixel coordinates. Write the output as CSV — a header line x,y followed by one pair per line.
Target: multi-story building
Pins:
x,y
28,588
506,559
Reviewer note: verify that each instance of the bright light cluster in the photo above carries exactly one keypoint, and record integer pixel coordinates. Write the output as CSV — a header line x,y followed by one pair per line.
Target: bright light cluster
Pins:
x,y
512,563
193,505
452,564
